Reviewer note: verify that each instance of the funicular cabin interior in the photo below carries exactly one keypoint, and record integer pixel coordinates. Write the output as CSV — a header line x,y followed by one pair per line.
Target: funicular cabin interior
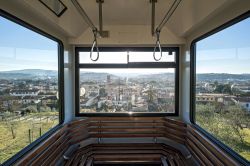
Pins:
x,y
124,82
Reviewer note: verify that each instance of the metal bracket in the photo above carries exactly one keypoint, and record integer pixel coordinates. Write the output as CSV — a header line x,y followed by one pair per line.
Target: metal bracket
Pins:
x,y
99,131
155,138
99,1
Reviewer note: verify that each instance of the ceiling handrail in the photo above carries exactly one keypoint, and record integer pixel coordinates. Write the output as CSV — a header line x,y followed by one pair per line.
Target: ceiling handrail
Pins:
x,y
160,26
94,45
157,44
91,25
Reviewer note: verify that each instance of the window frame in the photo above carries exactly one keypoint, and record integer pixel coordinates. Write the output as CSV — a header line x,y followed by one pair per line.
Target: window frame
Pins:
x,y
141,65
60,49
216,141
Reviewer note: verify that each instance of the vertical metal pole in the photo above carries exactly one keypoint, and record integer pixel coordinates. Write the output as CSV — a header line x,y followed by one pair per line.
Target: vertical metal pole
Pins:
x,y
153,17
100,16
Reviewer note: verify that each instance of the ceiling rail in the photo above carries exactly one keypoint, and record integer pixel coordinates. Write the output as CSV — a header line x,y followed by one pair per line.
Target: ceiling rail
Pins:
x,y
84,15
160,26
168,15
92,26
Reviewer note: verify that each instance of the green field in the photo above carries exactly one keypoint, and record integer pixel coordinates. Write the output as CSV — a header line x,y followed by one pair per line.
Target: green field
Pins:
x,y
16,132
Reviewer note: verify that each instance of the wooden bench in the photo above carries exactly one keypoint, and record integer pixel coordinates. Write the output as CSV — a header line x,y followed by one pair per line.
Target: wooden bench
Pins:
x,y
109,140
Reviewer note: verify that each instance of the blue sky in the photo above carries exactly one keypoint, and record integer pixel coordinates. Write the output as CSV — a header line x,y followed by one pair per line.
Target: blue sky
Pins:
x,y
21,48
227,51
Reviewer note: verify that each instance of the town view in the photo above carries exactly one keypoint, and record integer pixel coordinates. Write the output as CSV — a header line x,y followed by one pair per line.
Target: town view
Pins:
x,y
104,92
28,108
223,108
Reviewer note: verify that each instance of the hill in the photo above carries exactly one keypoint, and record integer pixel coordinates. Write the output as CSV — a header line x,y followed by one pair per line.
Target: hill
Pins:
x,y
28,74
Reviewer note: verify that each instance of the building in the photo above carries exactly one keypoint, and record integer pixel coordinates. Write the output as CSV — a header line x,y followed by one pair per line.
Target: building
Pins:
x,y
244,102
209,97
24,92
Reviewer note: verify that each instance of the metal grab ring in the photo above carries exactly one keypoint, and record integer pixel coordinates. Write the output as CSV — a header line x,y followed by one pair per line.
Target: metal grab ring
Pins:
x,y
157,44
93,46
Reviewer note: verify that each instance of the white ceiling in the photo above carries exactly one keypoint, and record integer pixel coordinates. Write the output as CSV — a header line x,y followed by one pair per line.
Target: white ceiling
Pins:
x,y
126,12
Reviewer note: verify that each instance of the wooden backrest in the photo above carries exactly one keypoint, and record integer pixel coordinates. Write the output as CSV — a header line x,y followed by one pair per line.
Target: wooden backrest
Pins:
x,y
49,150
206,152
115,127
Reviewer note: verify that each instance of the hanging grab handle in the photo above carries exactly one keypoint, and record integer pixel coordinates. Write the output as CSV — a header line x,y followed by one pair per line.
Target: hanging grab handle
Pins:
x,y
94,45
157,44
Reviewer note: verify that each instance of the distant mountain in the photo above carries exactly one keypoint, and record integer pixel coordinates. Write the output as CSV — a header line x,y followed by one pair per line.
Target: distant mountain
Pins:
x,y
222,76
88,76
155,76
28,74
92,76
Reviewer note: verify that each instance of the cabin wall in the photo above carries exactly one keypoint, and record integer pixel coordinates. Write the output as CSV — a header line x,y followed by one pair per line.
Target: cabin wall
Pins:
x,y
69,84
184,85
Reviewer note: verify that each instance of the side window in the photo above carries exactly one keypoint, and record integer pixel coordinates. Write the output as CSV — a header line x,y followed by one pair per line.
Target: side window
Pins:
x,y
29,89
223,73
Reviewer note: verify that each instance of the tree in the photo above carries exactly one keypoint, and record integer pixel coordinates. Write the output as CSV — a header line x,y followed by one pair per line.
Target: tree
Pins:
x,y
151,94
31,109
237,118
223,88
102,92
104,107
226,126
130,105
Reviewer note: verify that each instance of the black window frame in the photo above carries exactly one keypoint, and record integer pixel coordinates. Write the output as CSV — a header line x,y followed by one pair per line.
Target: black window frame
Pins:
x,y
217,142
34,144
174,65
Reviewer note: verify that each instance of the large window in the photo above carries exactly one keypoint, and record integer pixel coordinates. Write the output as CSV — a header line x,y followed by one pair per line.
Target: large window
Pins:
x,y
127,81
30,99
222,86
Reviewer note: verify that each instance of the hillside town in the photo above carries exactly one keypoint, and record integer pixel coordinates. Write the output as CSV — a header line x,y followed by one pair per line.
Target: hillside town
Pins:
x,y
22,96
225,93
127,94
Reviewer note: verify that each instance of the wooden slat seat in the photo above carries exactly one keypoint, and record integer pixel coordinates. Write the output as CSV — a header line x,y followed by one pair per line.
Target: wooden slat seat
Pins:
x,y
147,153
106,140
